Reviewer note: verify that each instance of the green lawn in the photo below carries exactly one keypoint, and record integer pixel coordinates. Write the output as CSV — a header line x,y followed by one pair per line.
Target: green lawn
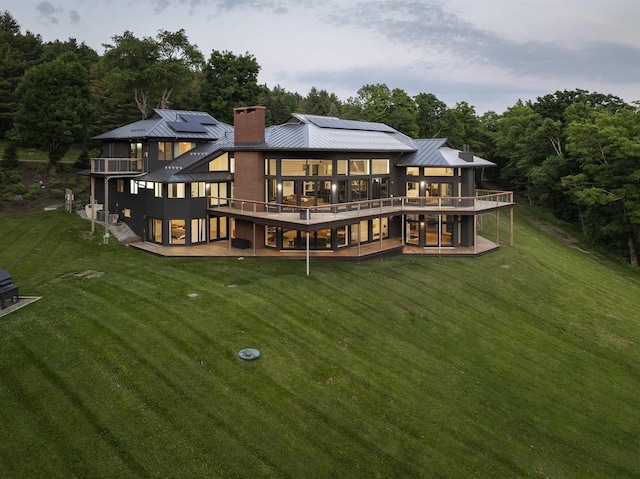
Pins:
x,y
520,363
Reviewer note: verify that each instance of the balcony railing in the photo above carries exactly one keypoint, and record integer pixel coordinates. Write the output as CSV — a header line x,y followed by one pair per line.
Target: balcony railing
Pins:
x,y
117,165
484,200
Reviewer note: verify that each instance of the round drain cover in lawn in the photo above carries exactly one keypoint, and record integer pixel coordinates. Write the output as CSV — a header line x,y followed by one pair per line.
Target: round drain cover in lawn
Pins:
x,y
249,354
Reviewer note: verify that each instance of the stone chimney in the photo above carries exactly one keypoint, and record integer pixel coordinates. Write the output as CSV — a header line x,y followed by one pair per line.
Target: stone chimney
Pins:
x,y
248,124
466,154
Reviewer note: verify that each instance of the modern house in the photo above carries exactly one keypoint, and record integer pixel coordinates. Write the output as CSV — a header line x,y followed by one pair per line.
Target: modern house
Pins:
x,y
311,184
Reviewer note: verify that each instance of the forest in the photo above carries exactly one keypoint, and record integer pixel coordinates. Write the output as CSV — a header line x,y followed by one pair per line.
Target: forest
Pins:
x,y
574,153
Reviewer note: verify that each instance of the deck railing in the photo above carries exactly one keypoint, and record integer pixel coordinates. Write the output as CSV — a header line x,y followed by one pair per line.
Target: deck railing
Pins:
x,y
484,200
117,165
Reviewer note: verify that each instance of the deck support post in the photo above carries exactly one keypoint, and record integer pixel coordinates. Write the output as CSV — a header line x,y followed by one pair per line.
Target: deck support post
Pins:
x,y
511,215
105,238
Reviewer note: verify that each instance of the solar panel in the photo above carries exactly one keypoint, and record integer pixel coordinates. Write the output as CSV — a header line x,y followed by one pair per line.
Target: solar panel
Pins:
x,y
204,119
327,122
186,127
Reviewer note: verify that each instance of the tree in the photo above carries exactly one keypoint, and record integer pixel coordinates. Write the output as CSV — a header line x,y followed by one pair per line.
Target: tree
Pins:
x,y
321,103
18,53
55,107
10,157
402,113
230,82
430,115
279,104
379,104
607,148
151,69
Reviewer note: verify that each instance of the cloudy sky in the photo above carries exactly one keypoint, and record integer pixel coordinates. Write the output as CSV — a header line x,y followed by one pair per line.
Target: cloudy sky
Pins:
x,y
489,53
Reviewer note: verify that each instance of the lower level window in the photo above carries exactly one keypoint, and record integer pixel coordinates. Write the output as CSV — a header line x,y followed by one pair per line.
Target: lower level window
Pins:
x,y
154,230
178,232
198,231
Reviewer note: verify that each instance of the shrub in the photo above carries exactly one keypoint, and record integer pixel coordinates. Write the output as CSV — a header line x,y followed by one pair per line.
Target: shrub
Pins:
x,y
15,176
71,183
83,184
57,193
19,189
55,182
7,196
1,177
32,194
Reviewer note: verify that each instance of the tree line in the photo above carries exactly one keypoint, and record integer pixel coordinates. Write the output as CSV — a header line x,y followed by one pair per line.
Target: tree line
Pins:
x,y
575,153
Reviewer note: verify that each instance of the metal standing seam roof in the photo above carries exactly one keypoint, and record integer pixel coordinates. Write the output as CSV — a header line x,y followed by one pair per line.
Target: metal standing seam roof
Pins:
x,y
302,133
437,152
159,126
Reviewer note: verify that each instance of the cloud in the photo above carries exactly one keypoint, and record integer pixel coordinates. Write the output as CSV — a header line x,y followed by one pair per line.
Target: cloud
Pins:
x,y
222,6
426,26
74,17
48,12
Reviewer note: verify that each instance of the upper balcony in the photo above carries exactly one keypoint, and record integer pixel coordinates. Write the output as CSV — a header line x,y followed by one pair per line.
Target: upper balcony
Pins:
x,y
308,217
120,166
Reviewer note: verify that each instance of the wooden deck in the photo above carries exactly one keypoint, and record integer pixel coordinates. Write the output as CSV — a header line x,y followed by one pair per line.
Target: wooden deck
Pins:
x,y
370,251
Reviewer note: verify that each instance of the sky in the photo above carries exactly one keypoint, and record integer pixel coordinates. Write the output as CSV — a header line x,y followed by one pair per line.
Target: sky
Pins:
x,y
488,53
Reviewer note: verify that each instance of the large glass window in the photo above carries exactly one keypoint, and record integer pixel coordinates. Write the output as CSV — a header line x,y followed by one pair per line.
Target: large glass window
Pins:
x,y
198,231
197,190
289,193
438,171
439,189
380,188
176,190
221,163
111,150
270,238
359,167
154,230
219,194
380,167
178,232
165,150
293,167
270,165
133,187
413,189
341,236
157,189
120,185
342,167
271,190
136,150
319,168
182,147
217,228
359,190
413,229
379,226
413,171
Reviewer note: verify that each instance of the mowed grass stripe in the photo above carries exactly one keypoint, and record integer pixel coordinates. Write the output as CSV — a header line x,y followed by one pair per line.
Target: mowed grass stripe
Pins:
x,y
512,364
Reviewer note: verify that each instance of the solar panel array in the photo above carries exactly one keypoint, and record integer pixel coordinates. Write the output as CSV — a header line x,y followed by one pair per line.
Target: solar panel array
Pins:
x,y
205,119
186,127
327,122
192,123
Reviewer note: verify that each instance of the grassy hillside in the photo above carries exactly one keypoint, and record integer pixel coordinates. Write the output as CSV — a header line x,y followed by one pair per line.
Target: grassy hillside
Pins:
x,y
520,363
